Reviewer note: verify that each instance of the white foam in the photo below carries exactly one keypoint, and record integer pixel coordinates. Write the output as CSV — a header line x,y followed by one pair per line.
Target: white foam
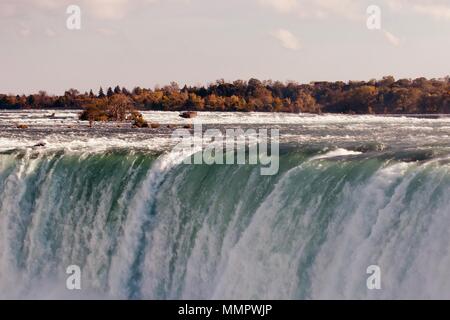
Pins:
x,y
65,131
340,152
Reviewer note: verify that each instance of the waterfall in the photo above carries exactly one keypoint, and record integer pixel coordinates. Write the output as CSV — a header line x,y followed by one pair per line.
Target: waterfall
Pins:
x,y
142,224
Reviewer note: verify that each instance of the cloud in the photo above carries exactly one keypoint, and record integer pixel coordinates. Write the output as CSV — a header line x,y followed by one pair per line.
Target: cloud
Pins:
x,y
319,9
25,30
50,4
437,9
108,9
286,38
394,40
347,9
280,5
100,9
49,32
356,9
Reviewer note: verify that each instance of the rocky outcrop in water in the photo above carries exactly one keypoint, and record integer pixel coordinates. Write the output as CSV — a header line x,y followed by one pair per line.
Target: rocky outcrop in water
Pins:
x,y
188,114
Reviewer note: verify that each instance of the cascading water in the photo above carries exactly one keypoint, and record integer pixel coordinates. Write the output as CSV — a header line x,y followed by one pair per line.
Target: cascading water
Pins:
x,y
141,224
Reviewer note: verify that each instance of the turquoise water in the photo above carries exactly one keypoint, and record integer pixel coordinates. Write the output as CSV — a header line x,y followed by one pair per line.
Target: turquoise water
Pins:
x,y
144,225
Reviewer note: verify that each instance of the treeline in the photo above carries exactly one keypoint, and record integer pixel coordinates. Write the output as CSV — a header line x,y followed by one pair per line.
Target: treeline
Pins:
x,y
361,97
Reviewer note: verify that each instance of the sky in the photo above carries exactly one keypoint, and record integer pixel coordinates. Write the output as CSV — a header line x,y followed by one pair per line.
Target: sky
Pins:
x,y
150,43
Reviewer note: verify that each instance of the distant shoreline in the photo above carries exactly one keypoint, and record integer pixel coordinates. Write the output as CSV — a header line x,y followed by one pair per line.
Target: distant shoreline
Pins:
x,y
385,96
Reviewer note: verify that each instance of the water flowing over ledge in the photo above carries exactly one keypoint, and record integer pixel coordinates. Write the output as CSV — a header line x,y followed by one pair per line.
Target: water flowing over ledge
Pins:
x,y
351,192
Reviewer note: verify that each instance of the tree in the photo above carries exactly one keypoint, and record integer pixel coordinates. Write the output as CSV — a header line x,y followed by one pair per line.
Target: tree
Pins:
x,y
31,100
387,81
194,102
72,93
110,92
119,106
306,103
125,91
137,91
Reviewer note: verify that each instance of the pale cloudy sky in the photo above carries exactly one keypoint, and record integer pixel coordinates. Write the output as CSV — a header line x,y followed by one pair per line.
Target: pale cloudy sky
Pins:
x,y
150,42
